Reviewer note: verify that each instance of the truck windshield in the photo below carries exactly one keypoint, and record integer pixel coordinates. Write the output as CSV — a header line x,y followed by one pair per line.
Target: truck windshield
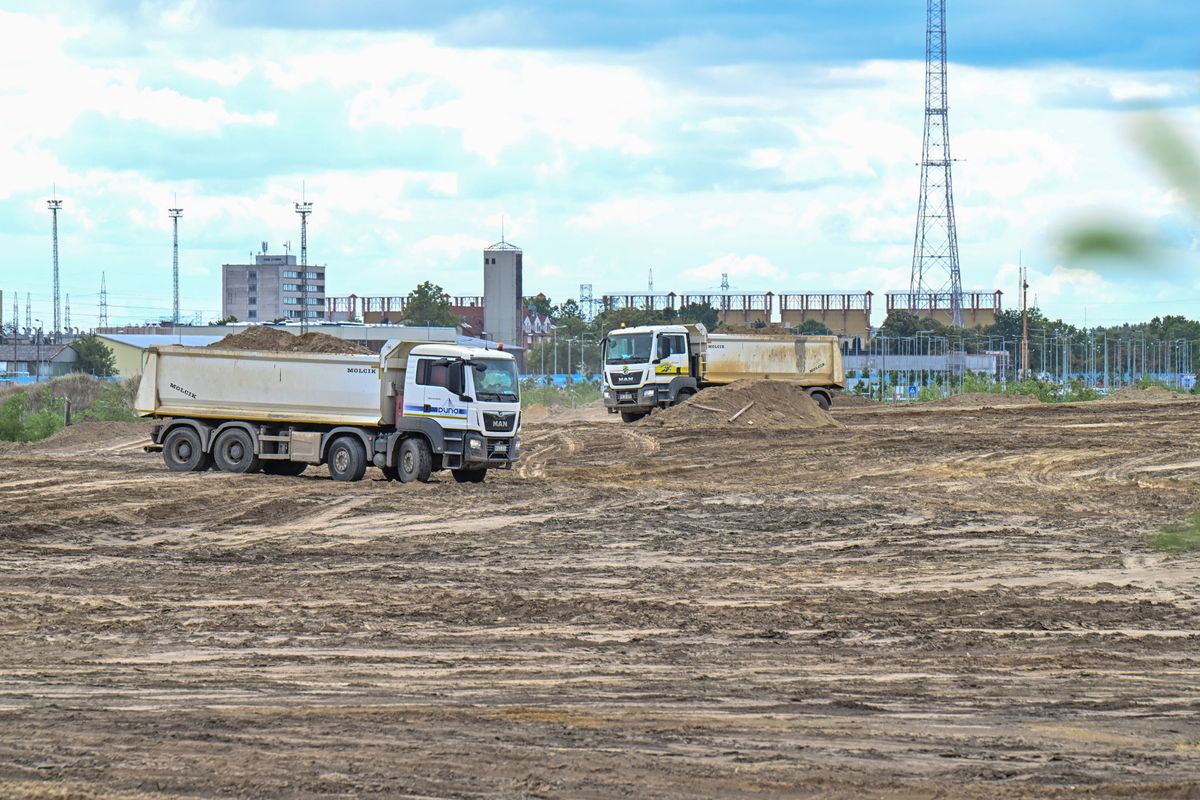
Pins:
x,y
498,382
629,348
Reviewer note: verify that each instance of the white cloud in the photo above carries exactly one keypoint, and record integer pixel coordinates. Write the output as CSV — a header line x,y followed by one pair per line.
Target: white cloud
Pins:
x,y
737,267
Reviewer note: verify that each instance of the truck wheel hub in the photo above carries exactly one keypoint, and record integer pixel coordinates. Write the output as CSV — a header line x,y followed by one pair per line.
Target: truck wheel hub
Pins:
x,y
341,460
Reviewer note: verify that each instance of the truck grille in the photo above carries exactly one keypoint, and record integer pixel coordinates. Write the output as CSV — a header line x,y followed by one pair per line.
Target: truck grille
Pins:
x,y
500,421
625,378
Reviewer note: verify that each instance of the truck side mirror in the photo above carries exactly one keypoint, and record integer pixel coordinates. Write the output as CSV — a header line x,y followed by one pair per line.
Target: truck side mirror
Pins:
x,y
454,380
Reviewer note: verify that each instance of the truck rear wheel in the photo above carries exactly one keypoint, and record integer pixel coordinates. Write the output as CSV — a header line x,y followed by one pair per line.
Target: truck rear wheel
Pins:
x,y
632,416
347,459
182,451
469,475
822,400
414,462
234,452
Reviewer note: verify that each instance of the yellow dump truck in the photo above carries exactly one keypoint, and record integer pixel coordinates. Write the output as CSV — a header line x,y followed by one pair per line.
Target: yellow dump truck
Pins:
x,y
657,366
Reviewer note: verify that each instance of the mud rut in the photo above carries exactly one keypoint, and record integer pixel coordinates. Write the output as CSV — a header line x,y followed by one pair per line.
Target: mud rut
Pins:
x,y
939,601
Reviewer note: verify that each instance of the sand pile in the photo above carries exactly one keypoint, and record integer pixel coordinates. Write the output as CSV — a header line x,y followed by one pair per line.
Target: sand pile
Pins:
x,y
259,337
776,405
983,400
1152,394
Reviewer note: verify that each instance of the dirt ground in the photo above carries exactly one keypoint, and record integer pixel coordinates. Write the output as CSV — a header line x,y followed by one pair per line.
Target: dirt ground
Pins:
x,y
923,602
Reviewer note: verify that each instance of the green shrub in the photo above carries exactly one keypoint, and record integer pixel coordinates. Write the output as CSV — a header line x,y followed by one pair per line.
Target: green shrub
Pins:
x,y
573,394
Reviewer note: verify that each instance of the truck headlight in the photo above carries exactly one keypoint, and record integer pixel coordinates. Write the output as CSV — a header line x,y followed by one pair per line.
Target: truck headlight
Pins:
x,y
649,391
607,394
475,444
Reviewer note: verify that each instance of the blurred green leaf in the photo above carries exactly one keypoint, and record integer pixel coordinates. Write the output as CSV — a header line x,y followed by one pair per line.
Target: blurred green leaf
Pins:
x,y
1164,144
1115,240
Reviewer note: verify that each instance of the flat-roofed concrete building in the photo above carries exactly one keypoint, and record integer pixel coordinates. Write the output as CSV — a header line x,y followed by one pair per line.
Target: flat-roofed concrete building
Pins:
x,y
271,288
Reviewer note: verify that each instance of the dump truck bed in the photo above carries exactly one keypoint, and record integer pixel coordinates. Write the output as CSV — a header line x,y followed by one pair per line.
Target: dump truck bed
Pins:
x,y
807,360
266,386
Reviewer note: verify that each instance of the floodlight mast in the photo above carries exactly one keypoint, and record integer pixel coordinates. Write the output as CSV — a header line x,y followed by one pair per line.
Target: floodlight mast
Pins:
x,y
304,209
175,213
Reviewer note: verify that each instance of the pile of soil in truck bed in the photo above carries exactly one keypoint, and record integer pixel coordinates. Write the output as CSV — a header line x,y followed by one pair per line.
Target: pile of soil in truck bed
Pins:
x,y
260,337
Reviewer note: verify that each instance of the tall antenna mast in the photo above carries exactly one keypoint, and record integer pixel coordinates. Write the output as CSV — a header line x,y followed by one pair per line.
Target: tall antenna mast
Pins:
x,y
303,209
67,314
650,282
103,302
935,246
175,213
28,312
55,206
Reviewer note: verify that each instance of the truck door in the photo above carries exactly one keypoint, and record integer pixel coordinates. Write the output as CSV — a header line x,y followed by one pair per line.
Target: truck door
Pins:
x,y
433,397
672,355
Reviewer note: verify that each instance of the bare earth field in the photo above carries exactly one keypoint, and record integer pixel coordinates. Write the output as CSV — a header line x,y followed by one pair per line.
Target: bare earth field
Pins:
x,y
924,602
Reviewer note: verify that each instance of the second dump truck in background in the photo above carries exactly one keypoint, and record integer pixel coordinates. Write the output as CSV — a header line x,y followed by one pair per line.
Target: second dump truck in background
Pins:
x,y
657,366
412,410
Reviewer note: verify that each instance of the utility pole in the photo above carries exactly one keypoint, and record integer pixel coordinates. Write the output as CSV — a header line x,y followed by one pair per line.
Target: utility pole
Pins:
x,y
1024,322
175,213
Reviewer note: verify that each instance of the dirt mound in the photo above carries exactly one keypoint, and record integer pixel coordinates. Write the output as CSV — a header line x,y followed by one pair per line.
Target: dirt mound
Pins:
x,y
259,337
772,404
983,400
1152,394
84,437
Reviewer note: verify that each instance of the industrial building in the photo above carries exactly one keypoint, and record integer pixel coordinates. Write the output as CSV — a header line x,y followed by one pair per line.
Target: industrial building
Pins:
x,y
389,310
273,287
979,309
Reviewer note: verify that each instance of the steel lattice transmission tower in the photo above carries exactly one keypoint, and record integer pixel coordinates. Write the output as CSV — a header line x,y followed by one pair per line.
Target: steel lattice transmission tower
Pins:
x,y
103,302
55,206
67,314
935,248
175,213
585,301
304,209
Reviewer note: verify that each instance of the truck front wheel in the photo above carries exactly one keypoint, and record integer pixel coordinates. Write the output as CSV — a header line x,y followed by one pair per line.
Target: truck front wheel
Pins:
x,y
347,459
414,462
182,452
234,452
469,475
632,416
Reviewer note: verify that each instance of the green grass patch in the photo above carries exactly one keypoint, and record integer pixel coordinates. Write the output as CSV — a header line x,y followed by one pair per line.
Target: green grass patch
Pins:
x,y
1182,537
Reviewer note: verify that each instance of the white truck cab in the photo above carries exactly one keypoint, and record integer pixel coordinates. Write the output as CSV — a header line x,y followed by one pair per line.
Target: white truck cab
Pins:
x,y
651,366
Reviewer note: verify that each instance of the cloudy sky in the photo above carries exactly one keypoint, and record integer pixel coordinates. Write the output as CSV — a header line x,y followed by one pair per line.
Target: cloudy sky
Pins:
x,y
776,142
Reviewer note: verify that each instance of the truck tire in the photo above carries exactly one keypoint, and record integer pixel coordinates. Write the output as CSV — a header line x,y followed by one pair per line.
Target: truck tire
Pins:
x,y
391,473
347,459
234,452
182,451
289,468
632,416
414,462
822,400
469,475
684,395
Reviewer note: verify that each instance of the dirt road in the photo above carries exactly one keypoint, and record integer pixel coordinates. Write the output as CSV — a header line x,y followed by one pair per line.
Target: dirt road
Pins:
x,y
938,602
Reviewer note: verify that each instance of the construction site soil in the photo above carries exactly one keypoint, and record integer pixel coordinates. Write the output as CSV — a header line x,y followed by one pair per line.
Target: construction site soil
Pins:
x,y
922,602
258,337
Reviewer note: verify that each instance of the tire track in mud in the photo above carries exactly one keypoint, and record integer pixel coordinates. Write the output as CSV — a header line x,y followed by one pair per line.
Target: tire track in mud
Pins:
x,y
908,607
